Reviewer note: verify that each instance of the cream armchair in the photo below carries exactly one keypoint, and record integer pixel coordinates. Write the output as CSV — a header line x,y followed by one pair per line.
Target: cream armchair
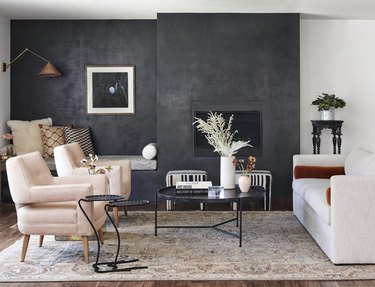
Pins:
x,y
48,205
68,163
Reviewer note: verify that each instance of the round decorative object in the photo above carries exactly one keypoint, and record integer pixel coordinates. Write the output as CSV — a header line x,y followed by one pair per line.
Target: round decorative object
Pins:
x,y
149,151
328,115
244,183
227,172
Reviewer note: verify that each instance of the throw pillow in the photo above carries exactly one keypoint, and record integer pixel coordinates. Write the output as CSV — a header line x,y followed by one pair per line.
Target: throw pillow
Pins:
x,y
52,136
328,195
303,171
149,151
360,162
27,135
82,136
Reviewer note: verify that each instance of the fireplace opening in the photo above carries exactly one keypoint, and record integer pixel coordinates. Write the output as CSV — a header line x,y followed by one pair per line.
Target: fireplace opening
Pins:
x,y
247,122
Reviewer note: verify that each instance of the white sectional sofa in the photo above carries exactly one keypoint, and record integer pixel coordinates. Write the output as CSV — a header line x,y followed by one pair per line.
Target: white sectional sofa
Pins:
x,y
345,228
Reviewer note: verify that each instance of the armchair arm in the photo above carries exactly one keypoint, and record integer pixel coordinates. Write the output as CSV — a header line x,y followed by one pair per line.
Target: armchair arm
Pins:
x,y
353,216
126,173
58,193
99,182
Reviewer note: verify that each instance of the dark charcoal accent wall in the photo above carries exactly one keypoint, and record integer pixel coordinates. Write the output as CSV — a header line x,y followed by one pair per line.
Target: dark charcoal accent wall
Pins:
x,y
71,45
233,58
219,58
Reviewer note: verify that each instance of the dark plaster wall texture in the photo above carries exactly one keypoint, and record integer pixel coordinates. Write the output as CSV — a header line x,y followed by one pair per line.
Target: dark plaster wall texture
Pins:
x,y
70,46
229,58
180,59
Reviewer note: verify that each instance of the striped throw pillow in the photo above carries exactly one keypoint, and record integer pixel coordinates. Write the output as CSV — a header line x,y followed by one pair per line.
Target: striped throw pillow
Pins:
x,y
82,136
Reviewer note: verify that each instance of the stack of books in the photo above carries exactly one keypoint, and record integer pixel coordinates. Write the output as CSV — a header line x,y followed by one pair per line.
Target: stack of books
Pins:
x,y
195,187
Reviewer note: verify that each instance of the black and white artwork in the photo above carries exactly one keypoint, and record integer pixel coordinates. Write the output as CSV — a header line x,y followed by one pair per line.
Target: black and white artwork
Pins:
x,y
110,89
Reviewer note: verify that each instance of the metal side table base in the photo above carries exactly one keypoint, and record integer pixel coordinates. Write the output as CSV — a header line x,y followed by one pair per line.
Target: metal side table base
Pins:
x,y
115,201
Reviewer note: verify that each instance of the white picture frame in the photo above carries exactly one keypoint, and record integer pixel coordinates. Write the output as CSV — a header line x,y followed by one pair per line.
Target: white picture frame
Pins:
x,y
110,89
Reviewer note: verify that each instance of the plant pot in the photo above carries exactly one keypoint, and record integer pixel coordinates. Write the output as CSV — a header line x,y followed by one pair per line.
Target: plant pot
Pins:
x,y
227,172
244,183
328,115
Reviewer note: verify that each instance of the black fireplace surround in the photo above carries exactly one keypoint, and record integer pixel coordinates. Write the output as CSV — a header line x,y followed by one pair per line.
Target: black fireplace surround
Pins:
x,y
247,121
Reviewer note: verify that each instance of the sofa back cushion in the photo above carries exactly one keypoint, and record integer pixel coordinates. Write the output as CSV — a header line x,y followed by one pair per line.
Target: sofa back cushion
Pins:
x,y
360,162
303,171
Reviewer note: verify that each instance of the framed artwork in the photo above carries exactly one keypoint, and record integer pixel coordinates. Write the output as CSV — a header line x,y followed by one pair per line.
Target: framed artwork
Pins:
x,y
110,89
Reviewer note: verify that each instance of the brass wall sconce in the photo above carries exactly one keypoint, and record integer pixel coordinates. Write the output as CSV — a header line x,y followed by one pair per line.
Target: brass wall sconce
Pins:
x,y
48,70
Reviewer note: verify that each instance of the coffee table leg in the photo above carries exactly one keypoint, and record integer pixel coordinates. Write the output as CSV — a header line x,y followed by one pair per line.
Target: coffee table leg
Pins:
x,y
240,222
237,215
156,213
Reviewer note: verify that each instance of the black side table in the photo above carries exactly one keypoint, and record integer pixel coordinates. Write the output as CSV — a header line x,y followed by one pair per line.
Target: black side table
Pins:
x,y
114,201
335,126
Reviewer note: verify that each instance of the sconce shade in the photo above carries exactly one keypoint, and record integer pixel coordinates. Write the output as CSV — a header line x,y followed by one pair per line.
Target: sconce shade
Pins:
x,y
49,70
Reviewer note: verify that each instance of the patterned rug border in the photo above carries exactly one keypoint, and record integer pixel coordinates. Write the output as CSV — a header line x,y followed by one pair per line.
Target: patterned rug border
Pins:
x,y
299,257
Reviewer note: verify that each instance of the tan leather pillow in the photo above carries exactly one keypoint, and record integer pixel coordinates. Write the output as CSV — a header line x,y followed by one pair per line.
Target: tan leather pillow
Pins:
x,y
303,171
27,135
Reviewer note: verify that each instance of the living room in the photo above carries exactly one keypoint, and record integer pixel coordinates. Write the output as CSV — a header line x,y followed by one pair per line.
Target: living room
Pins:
x,y
186,56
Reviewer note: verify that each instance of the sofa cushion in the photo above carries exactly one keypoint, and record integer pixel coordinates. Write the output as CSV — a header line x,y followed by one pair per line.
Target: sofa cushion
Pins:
x,y
52,136
313,191
27,135
303,171
81,136
360,162
328,195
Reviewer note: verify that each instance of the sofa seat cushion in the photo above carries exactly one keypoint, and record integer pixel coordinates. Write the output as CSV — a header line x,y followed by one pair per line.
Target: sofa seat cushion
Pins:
x,y
313,191
56,212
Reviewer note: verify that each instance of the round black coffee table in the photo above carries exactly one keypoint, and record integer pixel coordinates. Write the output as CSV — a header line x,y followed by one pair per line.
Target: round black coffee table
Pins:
x,y
227,195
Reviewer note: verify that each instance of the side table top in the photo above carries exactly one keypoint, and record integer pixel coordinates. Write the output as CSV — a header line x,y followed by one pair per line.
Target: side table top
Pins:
x,y
102,197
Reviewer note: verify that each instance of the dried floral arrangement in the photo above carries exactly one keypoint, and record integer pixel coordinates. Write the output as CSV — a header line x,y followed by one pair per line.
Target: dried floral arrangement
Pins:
x,y
245,168
219,134
91,167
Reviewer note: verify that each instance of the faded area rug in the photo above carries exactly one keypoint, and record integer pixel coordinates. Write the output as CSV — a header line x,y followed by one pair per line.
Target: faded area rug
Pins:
x,y
275,247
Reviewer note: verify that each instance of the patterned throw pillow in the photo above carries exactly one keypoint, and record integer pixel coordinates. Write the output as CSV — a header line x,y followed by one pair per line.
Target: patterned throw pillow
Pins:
x,y
52,136
80,135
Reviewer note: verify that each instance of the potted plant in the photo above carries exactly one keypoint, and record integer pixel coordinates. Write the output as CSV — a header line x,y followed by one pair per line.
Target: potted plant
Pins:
x,y
327,105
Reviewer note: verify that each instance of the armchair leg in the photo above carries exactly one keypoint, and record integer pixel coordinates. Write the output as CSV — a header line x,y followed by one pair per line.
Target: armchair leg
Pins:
x,y
125,211
25,244
101,235
115,215
85,243
41,237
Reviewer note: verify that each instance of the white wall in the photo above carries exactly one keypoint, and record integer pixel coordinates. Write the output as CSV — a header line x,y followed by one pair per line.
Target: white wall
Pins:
x,y
338,57
4,76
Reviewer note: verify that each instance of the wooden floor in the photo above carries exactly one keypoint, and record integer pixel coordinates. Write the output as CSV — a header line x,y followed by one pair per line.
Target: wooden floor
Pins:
x,y
9,234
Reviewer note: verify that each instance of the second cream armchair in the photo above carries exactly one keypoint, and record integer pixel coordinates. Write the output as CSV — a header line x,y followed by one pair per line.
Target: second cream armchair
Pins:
x,y
68,163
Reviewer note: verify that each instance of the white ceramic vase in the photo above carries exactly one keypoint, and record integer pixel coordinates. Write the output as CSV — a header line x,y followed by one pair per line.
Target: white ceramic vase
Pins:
x,y
227,172
244,183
